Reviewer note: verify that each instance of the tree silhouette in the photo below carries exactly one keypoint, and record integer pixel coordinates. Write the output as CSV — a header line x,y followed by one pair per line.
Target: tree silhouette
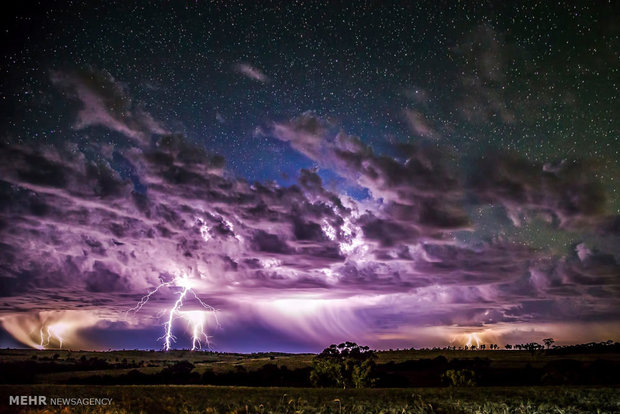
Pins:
x,y
532,347
344,365
548,342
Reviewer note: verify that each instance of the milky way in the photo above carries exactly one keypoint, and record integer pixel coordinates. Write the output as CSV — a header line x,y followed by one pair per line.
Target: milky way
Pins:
x,y
396,176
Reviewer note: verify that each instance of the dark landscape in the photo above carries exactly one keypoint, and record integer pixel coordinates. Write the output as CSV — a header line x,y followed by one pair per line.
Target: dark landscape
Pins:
x,y
578,378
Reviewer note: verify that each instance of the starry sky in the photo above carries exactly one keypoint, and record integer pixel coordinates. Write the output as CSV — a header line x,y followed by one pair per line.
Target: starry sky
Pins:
x,y
393,173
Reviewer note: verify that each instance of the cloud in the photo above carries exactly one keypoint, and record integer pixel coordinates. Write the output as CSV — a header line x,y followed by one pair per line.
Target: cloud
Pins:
x,y
486,59
251,72
421,185
419,124
570,193
106,103
419,191
50,328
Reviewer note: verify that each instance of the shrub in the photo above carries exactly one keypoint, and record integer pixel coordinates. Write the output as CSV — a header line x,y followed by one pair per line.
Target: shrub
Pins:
x,y
459,378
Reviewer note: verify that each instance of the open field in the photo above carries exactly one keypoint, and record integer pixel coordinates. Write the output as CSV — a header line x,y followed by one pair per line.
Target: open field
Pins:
x,y
208,399
407,368
407,382
148,362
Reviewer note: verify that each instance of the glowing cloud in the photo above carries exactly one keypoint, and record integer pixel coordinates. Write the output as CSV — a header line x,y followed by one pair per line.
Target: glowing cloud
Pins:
x,y
50,329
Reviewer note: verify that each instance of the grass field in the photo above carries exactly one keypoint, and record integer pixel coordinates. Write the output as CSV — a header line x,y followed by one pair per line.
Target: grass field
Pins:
x,y
151,362
262,399
208,399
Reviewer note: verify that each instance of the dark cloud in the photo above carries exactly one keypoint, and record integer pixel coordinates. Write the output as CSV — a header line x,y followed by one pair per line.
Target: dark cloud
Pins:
x,y
569,193
269,243
422,186
419,124
422,190
105,102
102,279
485,59
387,233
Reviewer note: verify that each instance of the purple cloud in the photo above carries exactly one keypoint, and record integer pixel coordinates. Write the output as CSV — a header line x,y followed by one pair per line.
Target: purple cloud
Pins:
x,y
251,72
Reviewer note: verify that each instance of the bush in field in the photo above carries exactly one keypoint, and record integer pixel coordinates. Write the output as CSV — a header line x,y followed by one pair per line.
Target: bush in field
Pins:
x,y
179,373
344,365
459,378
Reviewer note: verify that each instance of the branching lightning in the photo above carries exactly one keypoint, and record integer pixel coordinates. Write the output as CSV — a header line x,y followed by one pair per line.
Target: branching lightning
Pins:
x,y
147,297
196,319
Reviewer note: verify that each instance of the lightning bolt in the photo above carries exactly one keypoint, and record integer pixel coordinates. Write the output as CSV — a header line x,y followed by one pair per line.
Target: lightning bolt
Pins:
x,y
146,298
44,342
168,337
473,337
53,331
196,319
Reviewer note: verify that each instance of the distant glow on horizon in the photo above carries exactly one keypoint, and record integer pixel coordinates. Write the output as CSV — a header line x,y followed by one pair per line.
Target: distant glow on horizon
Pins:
x,y
51,329
477,338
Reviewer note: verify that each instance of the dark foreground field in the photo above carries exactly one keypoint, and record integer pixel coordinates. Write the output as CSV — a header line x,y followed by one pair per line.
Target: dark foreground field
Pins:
x,y
209,399
394,369
406,381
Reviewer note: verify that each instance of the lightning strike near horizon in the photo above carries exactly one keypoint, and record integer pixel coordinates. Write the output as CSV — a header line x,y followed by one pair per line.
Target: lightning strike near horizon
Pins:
x,y
53,331
196,319
473,337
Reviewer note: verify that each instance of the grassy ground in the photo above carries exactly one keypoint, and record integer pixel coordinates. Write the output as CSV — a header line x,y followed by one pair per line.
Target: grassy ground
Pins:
x,y
208,399
151,362
499,355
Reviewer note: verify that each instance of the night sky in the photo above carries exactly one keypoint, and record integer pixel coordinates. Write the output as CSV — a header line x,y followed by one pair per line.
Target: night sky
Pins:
x,y
403,174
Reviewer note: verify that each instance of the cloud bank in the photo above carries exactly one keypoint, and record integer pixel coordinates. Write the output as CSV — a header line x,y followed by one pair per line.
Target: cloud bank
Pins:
x,y
85,236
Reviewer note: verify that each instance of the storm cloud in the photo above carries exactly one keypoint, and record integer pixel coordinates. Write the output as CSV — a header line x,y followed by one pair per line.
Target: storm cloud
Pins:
x,y
94,234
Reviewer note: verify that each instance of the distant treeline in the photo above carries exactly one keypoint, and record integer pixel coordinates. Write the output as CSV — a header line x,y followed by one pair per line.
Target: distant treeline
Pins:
x,y
589,348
